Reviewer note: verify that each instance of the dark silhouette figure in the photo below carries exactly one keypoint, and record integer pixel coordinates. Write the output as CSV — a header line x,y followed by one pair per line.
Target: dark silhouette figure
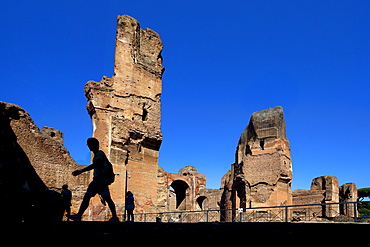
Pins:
x,y
130,206
66,199
103,177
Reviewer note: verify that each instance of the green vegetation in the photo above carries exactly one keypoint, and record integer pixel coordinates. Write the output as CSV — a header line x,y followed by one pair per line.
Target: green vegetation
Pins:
x,y
363,207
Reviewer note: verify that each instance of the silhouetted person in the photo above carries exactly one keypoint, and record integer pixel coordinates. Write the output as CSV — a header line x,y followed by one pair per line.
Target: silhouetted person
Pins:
x,y
103,176
130,206
66,199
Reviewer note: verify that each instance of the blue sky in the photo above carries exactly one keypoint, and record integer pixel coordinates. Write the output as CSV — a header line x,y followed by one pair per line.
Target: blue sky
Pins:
x,y
224,60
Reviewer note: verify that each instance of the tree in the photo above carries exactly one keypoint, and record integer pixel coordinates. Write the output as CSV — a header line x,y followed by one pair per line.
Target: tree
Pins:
x,y
363,207
362,193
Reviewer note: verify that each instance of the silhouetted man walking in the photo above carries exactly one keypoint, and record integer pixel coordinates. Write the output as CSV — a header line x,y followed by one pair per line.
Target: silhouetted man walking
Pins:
x,y
103,176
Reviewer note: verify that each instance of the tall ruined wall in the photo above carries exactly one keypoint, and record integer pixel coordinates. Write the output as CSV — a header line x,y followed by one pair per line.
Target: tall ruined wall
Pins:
x,y
42,161
262,172
125,113
348,193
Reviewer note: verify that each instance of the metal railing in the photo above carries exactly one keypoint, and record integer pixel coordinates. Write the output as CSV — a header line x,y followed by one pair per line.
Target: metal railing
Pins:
x,y
326,212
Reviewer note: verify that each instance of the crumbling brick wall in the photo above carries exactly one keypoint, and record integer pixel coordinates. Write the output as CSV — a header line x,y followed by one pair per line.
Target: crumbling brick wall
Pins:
x,y
325,189
183,189
262,172
45,152
125,112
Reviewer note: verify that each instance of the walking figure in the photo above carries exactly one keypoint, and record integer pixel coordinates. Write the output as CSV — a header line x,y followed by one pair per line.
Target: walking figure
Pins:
x,y
66,199
103,177
130,206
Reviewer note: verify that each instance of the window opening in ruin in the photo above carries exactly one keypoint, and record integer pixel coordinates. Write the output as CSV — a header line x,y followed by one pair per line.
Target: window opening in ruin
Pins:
x,y
52,134
248,150
200,201
180,187
145,115
262,144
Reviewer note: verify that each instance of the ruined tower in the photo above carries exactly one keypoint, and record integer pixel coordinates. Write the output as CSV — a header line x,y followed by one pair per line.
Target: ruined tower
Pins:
x,y
262,172
126,113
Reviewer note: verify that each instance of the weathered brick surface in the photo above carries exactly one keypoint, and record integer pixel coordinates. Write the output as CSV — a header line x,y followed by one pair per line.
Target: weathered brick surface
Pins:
x,y
325,189
44,150
262,172
126,116
125,112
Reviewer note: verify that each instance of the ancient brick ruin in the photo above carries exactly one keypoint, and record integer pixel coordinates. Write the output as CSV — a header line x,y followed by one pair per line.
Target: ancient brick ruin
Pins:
x,y
187,191
32,161
262,172
325,189
125,112
126,116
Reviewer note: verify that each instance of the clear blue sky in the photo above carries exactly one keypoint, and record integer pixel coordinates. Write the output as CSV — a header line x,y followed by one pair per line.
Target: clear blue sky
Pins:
x,y
224,60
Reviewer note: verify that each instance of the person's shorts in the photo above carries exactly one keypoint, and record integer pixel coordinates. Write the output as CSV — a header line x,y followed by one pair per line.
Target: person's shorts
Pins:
x,y
98,187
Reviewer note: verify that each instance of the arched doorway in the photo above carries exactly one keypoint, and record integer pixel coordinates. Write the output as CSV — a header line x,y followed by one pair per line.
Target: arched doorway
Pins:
x,y
180,188
241,195
201,202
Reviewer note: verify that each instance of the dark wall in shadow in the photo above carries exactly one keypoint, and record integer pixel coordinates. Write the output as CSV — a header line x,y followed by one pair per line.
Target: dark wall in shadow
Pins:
x,y
23,195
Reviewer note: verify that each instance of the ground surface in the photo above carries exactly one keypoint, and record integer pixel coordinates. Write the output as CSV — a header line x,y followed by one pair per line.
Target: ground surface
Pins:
x,y
195,234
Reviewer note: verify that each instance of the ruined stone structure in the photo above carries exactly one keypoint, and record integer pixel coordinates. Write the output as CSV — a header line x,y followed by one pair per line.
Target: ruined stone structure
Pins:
x,y
33,160
125,112
325,189
348,193
262,172
126,116
188,191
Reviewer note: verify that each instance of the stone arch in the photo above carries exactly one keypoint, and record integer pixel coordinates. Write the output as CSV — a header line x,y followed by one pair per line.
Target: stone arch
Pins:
x,y
201,200
242,193
181,190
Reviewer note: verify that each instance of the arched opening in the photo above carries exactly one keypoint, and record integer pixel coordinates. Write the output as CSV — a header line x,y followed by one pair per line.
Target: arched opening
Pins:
x,y
180,189
201,200
241,193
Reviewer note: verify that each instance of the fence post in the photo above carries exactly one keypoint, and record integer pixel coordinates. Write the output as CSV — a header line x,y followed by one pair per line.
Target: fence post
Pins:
x,y
355,211
207,216
286,214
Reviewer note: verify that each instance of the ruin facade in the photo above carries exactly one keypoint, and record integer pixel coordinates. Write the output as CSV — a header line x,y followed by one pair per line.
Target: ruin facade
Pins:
x,y
262,172
187,191
326,190
33,161
125,113
126,117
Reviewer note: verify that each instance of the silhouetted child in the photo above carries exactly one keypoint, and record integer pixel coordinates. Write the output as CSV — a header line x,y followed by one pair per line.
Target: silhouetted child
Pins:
x,y
66,199
130,206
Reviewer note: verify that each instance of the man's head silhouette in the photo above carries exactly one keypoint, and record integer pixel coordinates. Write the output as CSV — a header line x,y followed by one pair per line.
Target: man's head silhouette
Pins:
x,y
93,144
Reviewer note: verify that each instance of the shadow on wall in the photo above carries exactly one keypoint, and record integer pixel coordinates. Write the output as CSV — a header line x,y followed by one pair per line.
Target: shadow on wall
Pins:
x,y
23,195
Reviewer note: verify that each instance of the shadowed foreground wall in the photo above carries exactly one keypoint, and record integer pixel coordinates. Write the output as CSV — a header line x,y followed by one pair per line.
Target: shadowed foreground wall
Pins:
x,y
33,163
